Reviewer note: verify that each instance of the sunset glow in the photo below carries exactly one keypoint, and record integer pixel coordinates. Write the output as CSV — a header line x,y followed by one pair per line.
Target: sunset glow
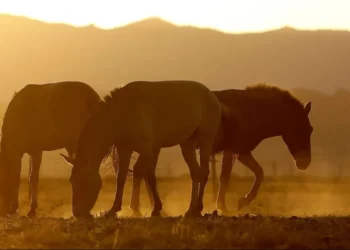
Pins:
x,y
225,15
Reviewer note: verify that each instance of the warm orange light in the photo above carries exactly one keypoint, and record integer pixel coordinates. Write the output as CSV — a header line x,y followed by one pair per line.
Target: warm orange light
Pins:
x,y
225,15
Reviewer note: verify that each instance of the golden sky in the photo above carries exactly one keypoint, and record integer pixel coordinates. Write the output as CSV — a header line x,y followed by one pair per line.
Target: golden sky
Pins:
x,y
225,15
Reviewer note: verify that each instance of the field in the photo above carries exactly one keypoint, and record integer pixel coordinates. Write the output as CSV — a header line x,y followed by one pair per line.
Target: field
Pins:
x,y
288,213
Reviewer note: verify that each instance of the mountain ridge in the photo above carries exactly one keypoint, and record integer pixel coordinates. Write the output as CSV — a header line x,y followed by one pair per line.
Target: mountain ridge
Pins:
x,y
153,49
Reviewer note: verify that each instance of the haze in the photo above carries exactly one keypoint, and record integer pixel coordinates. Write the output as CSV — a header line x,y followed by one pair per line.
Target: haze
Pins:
x,y
314,65
223,15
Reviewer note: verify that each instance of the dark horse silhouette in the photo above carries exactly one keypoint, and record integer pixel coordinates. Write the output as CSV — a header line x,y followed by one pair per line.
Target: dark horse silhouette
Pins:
x,y
256,113
144,117
40,118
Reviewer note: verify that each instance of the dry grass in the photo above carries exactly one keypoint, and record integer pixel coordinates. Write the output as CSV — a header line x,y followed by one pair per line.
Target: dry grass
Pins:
x,y
290,214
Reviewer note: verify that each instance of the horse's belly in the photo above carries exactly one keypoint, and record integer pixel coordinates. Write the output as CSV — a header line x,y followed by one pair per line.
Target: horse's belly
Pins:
x,y
44,142
169,137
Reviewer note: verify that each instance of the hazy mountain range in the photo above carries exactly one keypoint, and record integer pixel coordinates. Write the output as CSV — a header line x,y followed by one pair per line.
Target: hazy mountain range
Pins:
x,y
32,51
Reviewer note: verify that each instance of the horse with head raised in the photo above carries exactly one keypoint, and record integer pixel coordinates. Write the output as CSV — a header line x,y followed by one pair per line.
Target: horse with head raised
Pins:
x,y
256,113
144,117
262,111
40,118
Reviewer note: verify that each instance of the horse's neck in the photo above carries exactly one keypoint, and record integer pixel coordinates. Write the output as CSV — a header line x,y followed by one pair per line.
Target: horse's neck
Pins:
x,y
274,125
268,118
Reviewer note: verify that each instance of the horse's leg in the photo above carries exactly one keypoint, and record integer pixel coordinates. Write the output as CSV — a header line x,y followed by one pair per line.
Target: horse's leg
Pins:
x,y
15,182
139,172
34,181
29,171
227,164
136,185
148,188
249,161
5,186
204,156
188,149
124,162
150,178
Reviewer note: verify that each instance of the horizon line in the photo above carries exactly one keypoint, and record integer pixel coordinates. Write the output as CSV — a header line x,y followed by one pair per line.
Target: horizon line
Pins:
x,y
140,20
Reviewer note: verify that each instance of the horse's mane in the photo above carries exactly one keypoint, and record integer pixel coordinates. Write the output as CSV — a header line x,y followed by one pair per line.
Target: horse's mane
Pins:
x,y
113,95
274,91
108,100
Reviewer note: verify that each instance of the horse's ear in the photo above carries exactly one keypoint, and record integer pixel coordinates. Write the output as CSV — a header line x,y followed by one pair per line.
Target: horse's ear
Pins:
x,y
69,160
307,108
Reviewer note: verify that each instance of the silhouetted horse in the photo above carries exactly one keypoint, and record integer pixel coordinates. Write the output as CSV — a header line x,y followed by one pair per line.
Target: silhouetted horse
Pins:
x,y
144,117
256,113
40,118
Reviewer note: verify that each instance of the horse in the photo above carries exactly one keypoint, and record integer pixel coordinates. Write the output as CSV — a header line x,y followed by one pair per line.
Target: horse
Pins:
x,y
143,117
256,113
40,117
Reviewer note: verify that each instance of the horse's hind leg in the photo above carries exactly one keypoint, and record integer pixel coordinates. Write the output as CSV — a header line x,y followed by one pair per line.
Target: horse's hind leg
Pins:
x,y
227,164
249,161
188,149
34,182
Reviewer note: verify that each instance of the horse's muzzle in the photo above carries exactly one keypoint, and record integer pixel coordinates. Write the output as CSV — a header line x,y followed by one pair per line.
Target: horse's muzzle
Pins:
x,y
303,163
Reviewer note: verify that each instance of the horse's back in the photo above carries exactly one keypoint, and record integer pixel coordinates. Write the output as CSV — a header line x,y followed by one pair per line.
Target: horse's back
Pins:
x,y
71,104
45,115
174,110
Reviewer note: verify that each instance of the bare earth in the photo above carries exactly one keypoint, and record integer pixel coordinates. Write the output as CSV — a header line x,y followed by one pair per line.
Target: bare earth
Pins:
x,y
288,213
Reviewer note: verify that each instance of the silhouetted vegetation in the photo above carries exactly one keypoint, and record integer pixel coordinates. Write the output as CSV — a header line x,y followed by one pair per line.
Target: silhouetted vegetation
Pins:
x,y
286,214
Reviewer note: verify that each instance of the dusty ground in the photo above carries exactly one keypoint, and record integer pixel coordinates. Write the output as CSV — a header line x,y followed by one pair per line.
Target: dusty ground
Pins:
x,y
290,214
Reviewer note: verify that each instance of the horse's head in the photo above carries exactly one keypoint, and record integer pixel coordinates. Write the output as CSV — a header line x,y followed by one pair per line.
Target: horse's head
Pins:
x,y
86,184
297,133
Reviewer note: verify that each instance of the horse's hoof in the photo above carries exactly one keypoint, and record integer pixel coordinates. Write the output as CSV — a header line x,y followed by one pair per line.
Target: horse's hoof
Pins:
x,y
84,217
136,214
110,214
31,213
193,214
12,215
155,213
243,202
223,210
164,214
3,214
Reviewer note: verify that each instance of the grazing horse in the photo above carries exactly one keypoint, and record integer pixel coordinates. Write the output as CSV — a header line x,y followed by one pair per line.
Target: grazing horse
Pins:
x,y
256,113
144,117
40,118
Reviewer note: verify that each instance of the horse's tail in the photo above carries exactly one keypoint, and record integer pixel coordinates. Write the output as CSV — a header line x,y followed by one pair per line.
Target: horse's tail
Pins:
x,y
115,159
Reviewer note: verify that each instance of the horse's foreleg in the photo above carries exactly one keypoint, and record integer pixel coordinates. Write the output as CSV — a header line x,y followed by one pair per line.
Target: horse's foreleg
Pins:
x,y
150,162
136,185
204,152
34,181
15,181
139,173
227,164
214,178
124,162
148,188
249,161
189,154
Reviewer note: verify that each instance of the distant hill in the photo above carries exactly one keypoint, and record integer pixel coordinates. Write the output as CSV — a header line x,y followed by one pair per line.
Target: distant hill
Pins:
x,y
36,52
